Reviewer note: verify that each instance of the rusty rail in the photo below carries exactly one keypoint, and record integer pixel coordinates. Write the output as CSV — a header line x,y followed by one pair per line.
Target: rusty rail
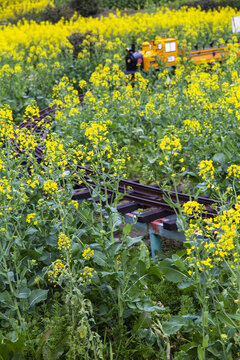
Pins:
x,y
149,198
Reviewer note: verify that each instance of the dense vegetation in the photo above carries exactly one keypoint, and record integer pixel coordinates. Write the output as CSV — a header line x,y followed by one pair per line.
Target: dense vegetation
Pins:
x,y
73,283
55,10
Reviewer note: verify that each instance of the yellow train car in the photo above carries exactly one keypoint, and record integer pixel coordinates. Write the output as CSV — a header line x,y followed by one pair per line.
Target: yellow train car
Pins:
x,y
165,51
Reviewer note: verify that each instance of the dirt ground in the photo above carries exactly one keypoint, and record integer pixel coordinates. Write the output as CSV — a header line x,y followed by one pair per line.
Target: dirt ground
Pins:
x,y
169,246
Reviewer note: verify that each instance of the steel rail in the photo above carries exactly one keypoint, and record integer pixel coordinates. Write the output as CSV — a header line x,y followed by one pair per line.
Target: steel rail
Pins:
x,y
145,195
150,190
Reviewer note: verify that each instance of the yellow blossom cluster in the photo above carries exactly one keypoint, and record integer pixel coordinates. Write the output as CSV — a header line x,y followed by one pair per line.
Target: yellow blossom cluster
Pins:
x,y
8,71
31,218
64,242
59,269
171,144
50,187
150,109
26,140
6,124
31,111
233,170
100,153
193,127
141,82
206,169
65,97
2,167
33,182
87,274
55,154
87,253
96,132
193,208
5,188
75,204
104,76
219,239
11,9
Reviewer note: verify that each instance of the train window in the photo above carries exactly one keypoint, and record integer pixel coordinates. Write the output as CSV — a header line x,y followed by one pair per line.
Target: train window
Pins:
x,y
169,47
171,59
159,46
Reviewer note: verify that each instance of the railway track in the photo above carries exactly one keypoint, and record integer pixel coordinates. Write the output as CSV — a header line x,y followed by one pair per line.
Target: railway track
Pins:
x,y
153,202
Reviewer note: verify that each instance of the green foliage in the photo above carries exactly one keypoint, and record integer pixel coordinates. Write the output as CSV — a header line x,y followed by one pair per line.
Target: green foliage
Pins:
x,y
61,9
101,297
55,14
123,4
166,293
85,7
213,4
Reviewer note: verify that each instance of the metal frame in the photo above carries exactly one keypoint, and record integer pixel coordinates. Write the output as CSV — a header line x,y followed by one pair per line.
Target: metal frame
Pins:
x,y
156,230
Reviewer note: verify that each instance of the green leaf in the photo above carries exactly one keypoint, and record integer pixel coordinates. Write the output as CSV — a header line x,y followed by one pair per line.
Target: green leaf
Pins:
x,y
126,230
37,296
80,232
143,321
185,285
141,268
191,173
33,254
153,270
114,248
171,327
41,343
149,307
213,351
200,353
12,349
4,317
109,274
175,324
152,160
116,220
99,258
48,257
172,274
205,318
131,241
23,293
234,316
219,158
52,240
205,341
7,299
179,263
31,231
226,320
189,346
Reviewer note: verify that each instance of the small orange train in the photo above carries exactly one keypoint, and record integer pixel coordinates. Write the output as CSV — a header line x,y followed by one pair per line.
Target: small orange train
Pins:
x,y
165,51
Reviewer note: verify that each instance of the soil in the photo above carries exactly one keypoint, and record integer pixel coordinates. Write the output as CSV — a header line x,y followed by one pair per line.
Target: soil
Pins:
x,y
169,246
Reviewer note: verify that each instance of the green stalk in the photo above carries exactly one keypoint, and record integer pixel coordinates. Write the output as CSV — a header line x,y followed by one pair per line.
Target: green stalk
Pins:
x,y
12,291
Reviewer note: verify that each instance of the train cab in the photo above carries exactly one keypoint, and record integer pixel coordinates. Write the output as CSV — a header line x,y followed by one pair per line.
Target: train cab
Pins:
x,y
163,50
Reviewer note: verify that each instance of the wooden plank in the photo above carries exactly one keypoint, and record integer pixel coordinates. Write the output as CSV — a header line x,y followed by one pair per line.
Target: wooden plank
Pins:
x,y
152,215
128,207
170,223
135,180
82,194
